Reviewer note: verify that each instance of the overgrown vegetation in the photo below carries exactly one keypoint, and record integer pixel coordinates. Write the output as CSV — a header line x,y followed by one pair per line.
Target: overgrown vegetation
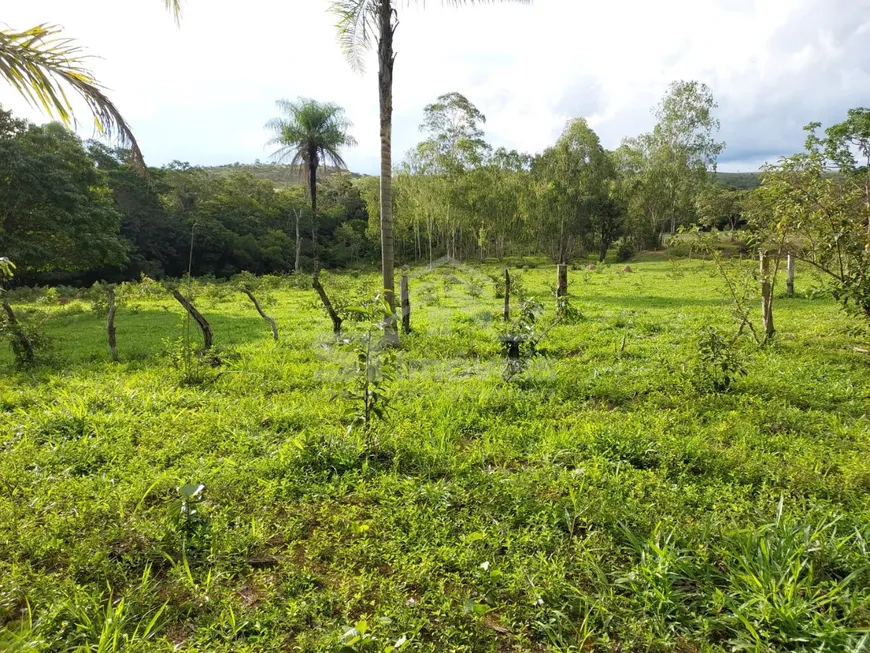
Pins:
x,y
612,498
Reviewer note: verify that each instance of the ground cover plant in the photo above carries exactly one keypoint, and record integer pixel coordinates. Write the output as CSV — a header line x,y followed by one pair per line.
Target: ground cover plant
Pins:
x,y
643,484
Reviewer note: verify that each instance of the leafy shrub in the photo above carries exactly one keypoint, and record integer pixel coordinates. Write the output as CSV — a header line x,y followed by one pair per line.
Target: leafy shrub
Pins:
x,y
190,369
25,336
718,362
625,250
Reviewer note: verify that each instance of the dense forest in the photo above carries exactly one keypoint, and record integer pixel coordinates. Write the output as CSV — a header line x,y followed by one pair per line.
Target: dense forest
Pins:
x,y
77,212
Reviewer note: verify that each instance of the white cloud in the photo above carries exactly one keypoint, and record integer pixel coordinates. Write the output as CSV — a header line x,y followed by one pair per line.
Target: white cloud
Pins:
x,y
202,92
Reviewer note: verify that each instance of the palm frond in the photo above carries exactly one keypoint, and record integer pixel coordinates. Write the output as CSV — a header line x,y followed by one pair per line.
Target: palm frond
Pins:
x,y
309,129
175,7
355,27
460,3
38,63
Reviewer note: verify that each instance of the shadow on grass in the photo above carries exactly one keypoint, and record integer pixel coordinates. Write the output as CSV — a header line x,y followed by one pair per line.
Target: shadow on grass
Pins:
x,y
654,302
80,340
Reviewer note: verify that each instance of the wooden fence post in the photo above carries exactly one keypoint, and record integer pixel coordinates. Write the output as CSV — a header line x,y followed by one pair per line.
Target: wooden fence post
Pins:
x,y
789,283
406,301
268,319
507,295
197,316
766,295
110,324
336,320
562,280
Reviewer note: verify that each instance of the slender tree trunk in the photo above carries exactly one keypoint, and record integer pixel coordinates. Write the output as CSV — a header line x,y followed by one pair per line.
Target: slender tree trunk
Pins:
x,y
110,324
562,280
386,59
507,295
336,320
789,281
766,295
429,234
605,245
297,264
406,302
204,326
867,204
268,319
312,191
25,346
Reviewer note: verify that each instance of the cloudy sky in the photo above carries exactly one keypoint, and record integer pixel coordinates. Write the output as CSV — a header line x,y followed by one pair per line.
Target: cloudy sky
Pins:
x,y
201,92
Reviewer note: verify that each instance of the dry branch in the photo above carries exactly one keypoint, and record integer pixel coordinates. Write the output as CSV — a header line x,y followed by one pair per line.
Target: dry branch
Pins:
x,y
196,315
268,319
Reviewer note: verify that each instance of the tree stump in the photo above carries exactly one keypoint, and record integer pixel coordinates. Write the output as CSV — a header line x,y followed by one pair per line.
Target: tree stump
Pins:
x,y
110,324
268,319
507,295
204,326
789,282
766,295
336,320
406,301
562,280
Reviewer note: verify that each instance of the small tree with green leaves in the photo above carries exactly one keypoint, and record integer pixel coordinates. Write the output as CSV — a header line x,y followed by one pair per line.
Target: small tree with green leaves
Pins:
x,y
22,340
820,200
373,373
719,365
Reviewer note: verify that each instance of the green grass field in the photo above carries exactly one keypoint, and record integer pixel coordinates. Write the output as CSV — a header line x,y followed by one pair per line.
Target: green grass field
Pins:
x,y
604,499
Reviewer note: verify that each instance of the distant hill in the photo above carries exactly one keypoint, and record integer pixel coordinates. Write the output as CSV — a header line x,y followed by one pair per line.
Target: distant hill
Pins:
x,y
739,180
283,176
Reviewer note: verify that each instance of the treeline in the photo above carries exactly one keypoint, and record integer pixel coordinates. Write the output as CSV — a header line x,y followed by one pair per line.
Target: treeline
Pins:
x,y
454,194
74,212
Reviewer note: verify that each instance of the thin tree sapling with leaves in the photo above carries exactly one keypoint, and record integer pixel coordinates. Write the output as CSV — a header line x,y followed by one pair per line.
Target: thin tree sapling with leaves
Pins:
x,y
374,372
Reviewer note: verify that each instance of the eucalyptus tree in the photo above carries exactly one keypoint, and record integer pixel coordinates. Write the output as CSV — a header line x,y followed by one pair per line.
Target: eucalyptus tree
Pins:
x,y
573,191
684,148
663,171
457,149
307,134
41,63
360,24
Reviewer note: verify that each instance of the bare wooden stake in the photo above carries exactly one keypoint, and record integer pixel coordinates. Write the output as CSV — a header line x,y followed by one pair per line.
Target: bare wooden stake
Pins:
x,y
204,326
406,302
789,282
27,355
507,295
336,320
268,319
766,295
562,280
110,324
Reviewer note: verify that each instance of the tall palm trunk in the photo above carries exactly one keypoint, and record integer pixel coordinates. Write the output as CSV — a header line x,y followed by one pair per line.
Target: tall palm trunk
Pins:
x,y
386,58
312,191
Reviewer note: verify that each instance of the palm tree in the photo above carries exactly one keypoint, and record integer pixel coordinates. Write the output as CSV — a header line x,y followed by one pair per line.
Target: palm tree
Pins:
x,y
308,134
358,22
39,63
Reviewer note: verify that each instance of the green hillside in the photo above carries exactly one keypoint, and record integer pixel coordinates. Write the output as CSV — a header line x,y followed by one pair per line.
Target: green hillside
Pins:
x,y
283,176
739,180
